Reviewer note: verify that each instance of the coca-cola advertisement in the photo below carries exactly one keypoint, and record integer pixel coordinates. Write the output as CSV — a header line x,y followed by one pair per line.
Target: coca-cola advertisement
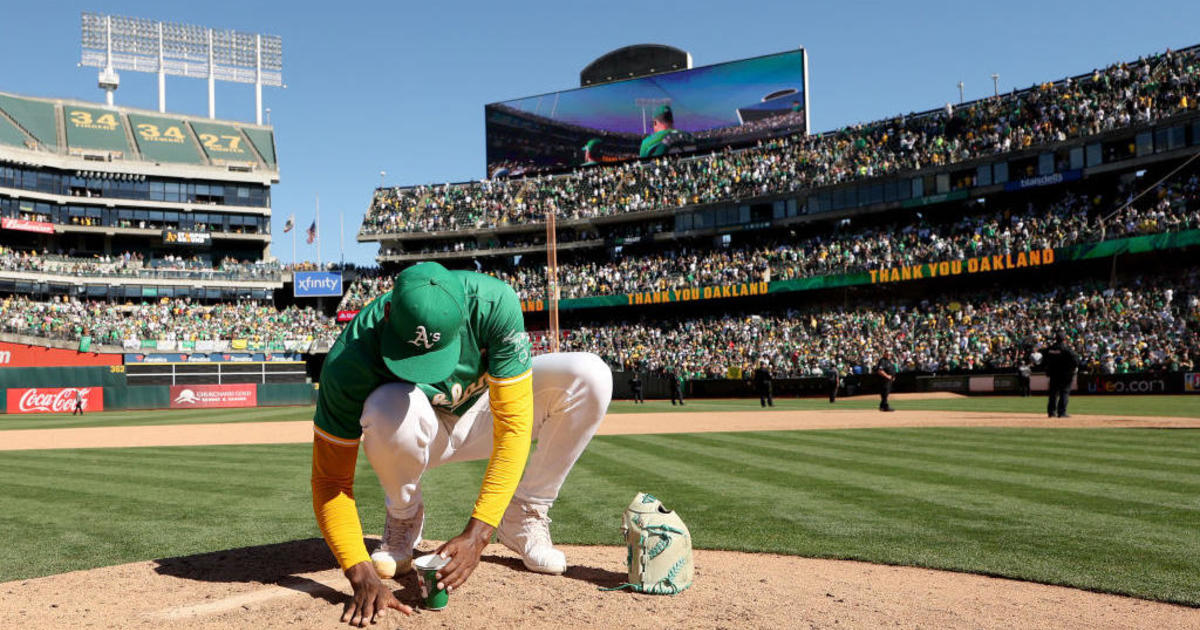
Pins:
x,y
193,396
54,399
345,316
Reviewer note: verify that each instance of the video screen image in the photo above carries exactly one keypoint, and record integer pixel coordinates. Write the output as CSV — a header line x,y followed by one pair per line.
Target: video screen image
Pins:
x,y
689,111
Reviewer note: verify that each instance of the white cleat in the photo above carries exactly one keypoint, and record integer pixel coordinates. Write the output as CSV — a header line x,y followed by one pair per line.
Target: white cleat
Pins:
x,y
525,529
400,537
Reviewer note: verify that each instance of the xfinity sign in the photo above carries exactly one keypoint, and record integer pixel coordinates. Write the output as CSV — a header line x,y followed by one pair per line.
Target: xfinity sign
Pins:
x,y
316,284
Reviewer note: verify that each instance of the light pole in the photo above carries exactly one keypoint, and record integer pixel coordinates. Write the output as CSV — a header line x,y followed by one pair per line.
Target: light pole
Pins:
x,y
382,174
268,111
995,84
960,92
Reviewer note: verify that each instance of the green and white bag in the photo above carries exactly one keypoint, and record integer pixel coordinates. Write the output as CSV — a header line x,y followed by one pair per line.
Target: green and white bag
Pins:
x,y
659,548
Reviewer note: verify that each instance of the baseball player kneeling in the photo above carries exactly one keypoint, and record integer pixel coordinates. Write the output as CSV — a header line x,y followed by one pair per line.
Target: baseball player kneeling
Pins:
x,y
440,370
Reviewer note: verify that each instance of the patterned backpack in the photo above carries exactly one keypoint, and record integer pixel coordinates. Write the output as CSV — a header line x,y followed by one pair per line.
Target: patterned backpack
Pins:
x,y
659,548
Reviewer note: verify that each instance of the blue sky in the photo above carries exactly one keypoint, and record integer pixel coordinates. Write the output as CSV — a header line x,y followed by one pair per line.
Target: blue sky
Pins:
x,y
400,86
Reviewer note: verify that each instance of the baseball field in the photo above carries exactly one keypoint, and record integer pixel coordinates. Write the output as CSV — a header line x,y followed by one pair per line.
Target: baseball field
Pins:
x,y
951,512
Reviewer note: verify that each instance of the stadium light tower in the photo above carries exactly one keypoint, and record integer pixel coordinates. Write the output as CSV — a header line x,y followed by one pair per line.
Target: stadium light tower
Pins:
x,y
960,92
995,84
114,43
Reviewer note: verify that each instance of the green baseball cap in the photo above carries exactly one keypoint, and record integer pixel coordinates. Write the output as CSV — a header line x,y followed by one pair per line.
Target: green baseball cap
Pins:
x,y
428,310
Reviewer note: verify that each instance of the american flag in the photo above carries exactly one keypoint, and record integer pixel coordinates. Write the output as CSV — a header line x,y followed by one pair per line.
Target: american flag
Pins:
x,y
312,232
291,223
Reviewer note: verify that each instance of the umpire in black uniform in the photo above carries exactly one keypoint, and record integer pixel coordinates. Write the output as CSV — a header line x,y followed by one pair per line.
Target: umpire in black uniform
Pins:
x,y
635,385
762,383
1060,364
886,371
832,380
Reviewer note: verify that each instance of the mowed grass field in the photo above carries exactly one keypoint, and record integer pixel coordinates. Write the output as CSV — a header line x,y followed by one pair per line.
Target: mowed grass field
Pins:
x,y
1162,406
1115,510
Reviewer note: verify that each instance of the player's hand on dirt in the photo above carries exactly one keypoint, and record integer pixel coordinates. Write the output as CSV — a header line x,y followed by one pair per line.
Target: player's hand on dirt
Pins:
x,y
464,551
371,598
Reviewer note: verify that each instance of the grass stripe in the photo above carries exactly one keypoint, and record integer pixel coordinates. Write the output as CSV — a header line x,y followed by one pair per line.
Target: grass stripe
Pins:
x,y
884,467
983,500
1145,475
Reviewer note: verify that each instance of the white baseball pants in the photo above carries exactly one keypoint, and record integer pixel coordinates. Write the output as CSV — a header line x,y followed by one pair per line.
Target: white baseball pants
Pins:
x,y
402,435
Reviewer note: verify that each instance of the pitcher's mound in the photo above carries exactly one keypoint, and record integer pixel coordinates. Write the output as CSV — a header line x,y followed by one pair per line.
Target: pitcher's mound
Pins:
x,y
293,585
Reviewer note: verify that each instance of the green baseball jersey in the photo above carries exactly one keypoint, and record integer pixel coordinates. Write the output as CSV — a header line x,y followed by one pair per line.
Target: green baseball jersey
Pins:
x,y
661,142
652,145
494,342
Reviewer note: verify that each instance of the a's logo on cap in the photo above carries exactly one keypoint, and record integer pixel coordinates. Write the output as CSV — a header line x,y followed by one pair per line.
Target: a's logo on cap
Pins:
x,y
422,338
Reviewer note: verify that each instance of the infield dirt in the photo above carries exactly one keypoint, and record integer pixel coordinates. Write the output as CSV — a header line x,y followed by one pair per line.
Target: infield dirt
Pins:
x,y
297,585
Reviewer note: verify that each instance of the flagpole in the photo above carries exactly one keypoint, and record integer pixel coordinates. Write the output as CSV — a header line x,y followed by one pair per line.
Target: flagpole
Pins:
x,y
317,221
293,245
341,236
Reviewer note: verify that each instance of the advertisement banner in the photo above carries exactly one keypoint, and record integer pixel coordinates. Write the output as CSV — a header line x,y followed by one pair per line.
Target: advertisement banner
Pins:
x,y
23,225
317,284
346,316
21,355
238,344
1191,382
182,237
215,357
211,396
1144,383
1044,180
164,345
53,399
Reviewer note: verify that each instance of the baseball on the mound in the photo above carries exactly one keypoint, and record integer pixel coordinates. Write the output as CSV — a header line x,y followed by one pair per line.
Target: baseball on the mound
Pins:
x,y
385,567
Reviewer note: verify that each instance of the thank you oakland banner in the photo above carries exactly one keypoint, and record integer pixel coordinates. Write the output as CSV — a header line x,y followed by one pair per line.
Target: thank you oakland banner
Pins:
x,y
975,264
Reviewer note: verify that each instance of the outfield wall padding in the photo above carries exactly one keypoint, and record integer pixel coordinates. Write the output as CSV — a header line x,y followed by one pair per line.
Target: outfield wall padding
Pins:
x,y
281,394
137,397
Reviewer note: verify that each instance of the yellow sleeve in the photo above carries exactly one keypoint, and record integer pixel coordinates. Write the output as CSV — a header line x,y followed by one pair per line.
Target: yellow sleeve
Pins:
x,y
511,400
333,464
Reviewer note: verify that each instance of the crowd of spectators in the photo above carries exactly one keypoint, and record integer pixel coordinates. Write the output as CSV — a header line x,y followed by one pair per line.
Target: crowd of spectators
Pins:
x,y
165,320
136,265
1117,96
1074,218
1144,324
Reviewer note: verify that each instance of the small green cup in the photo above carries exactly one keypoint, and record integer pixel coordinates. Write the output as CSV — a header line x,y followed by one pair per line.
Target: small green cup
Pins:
x,y
427,567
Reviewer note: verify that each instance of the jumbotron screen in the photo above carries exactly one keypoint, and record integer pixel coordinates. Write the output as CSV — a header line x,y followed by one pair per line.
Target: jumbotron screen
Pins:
x,y
687,111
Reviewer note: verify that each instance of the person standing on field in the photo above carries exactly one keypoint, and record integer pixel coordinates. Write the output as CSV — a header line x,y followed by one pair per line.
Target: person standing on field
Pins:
x,y
439,370
676,376
1060,364
763,384
1025,377
635,386
832,380
886,371
78,403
